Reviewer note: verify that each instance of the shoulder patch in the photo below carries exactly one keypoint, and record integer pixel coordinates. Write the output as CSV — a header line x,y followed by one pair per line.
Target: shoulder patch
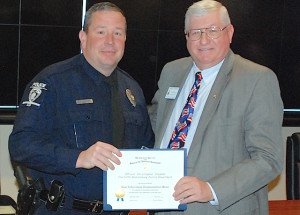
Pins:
x,y
35,92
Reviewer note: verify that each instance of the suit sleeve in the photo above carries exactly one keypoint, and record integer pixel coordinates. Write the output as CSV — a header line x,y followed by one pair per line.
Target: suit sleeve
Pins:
x,y
156,102
153,110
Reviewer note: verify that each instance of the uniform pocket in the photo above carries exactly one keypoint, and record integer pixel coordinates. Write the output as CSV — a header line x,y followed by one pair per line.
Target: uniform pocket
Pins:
x,y
133,129
88,127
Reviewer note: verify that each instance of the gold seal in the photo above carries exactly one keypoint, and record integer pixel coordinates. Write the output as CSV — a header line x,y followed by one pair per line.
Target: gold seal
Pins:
x,y
131,98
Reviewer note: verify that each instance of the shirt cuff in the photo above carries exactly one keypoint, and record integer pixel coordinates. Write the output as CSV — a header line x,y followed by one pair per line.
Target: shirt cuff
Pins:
x,y
215,200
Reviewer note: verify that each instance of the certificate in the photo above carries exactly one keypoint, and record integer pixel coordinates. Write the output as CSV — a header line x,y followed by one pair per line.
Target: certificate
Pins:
x,y
145,179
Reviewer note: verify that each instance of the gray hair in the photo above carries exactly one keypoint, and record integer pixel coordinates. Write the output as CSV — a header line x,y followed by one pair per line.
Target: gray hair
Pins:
x,y
204,7
102,6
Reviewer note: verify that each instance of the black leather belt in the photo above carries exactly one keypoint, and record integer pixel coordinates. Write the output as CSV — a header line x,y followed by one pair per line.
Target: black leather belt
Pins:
x,y
93,207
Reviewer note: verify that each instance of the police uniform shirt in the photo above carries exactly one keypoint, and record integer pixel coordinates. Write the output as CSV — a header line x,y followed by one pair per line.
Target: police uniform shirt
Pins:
x,y
117,112
67,108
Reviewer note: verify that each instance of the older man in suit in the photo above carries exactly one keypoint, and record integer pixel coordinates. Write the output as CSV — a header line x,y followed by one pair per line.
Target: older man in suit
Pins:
x,y
233,134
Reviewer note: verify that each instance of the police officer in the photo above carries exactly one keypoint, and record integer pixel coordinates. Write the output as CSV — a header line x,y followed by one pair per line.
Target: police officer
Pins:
x,y
76,114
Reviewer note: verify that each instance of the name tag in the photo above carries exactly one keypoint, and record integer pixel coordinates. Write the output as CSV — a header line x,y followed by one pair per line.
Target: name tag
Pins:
x,y
172,93
84,101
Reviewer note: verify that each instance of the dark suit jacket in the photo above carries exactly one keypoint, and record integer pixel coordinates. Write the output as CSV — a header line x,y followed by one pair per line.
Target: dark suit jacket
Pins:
x,y
237,147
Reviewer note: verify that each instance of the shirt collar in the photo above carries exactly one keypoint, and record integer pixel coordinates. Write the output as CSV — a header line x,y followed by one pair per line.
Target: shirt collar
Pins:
x,y
97,76
210,73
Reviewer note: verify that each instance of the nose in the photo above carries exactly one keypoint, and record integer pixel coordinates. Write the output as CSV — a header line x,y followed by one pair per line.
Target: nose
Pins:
x,y
109,38
204,38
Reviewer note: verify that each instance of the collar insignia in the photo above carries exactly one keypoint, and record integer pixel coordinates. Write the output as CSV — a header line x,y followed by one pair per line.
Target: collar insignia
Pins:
x,y
130,97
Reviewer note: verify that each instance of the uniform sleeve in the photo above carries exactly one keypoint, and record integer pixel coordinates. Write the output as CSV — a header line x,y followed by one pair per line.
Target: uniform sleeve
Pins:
x,y
34,142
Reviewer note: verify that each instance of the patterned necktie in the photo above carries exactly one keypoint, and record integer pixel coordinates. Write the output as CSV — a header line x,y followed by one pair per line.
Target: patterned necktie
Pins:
x,y
182,126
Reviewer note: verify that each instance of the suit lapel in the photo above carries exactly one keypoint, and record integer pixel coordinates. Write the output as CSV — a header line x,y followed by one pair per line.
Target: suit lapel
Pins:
x,y
177,80
210,107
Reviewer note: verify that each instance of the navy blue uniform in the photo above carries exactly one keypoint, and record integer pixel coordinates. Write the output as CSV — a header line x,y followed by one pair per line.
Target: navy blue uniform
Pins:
x,y
67,108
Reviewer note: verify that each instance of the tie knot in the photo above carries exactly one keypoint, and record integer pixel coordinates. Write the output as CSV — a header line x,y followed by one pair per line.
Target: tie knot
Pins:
x,y
198,77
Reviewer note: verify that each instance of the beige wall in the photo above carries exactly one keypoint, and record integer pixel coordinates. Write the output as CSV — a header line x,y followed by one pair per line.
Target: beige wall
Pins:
x,y
8,182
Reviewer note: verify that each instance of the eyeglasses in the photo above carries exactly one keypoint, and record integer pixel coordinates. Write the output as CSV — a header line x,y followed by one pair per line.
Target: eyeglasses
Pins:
x,y
212,32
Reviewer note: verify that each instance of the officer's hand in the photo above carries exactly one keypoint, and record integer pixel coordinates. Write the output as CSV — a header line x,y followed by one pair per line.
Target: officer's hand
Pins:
x,y
101,155
191,189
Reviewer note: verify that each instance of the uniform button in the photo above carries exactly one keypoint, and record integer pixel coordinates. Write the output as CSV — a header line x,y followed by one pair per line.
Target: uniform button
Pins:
x,y
88,117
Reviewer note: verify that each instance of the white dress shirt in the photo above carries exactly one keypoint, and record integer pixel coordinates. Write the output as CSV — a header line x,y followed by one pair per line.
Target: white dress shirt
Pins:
x,y
209,76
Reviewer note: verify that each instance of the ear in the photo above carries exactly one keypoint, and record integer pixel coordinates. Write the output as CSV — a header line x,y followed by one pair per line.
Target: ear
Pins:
x,y
230,32
82,38
186,34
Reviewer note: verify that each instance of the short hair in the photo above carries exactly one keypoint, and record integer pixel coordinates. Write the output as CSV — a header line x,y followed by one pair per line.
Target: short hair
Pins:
x,y
102,6
204,7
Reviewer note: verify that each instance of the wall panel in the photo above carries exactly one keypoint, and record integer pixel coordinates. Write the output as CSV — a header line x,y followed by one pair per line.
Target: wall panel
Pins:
x,y
39,33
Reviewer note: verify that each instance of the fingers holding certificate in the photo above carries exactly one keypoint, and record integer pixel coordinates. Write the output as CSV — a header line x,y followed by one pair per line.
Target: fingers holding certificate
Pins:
x,y
145,180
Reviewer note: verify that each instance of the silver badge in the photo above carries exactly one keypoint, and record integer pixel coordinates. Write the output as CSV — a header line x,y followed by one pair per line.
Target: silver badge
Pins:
x,y
131,98
35,92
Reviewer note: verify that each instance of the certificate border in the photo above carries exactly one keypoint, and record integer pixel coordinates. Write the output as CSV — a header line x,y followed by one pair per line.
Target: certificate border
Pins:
x,y
108,207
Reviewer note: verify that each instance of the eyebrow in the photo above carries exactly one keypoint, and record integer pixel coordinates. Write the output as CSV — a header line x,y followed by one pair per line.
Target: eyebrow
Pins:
x,y
104,27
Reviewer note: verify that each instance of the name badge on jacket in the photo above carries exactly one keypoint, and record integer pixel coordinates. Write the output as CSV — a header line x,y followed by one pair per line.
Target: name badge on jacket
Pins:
x,y
84,101
172,92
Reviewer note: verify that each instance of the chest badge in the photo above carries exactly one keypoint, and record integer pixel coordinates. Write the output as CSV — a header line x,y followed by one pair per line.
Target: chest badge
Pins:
x,y
130,97
35,92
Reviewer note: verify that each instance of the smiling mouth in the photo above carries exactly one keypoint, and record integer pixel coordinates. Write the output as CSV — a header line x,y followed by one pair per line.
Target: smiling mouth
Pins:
x,y
205,49
108,51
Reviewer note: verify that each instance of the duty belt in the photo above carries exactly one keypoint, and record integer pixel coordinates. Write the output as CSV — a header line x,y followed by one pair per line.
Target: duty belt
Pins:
x,y
92,207
82,205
